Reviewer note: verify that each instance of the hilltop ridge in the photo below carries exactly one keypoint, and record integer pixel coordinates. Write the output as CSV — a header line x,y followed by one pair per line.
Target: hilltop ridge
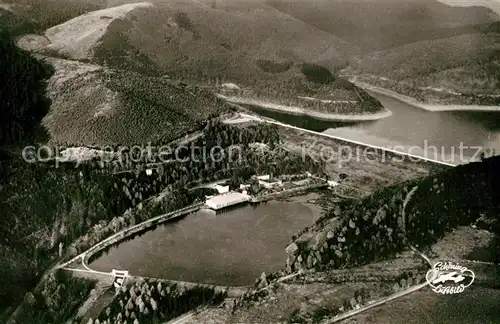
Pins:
x,y
192,41
257,43
377,25
77,38
457,70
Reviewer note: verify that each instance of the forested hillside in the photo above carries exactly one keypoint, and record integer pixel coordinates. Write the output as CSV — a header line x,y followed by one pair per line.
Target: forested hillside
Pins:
x,y
382,24
93,105
360,232
427,50
23,103
157,302
192,41
461,69
67,208
46,205
54,210
54,12
23,93
14,23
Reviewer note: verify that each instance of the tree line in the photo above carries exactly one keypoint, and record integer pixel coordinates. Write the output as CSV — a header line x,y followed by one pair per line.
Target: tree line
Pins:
x,y
155,302
371,229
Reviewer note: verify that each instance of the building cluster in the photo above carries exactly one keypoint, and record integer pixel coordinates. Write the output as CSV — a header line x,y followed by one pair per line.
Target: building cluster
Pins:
x,y
267,185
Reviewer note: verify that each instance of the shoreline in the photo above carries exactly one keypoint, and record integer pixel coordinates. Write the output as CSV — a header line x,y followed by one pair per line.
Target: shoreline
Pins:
x,y
428,107
296,111
255,116
132,231
149,224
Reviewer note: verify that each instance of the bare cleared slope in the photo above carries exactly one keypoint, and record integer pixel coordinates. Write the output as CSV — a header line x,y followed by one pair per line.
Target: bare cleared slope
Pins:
x,y
78,37
191,40
95,105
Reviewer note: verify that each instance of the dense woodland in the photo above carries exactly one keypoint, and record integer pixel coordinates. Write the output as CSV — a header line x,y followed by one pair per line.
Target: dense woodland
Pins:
x,y
66,205
23,103
457,197
317,74
313,81
51,210
155,302
21,21
56,300
363,231
45,208
67,208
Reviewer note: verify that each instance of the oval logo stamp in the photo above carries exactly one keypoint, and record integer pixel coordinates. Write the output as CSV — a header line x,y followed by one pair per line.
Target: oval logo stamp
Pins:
x,y
449,278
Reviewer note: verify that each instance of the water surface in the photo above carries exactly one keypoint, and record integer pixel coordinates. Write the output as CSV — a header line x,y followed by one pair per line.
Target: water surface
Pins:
x,y
231,248
453,137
